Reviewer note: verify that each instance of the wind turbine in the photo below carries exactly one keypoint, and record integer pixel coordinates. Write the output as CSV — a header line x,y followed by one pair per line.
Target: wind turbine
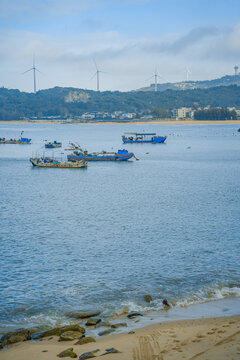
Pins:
x,y
156,77
97,73
34,74
188,72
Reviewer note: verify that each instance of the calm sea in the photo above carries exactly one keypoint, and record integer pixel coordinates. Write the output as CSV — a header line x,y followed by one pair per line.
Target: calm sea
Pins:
x,y
102,237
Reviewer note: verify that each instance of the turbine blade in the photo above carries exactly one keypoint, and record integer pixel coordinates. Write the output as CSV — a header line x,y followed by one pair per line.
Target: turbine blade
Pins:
x,y
150,78
95,64
27,71
94,75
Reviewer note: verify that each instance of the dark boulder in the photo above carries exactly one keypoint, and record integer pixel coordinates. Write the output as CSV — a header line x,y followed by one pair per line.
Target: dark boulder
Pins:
x,y
85,340
70,335
16,336
133,314
59,330
111,351
166,304
103,324
87,355
106,332
115,326
148,298
93,322
67,353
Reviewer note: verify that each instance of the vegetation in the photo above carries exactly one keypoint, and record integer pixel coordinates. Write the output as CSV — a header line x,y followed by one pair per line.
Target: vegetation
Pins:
x,y
215,114
70,102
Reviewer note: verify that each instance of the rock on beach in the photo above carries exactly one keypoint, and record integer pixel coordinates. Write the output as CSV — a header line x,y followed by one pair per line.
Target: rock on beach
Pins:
x,y
16,336
67,353
60,330
84,314
70,335
133,314
93,321
85,340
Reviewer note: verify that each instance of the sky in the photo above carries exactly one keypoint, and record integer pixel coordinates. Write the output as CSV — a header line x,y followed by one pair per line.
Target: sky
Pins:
x,y
128,40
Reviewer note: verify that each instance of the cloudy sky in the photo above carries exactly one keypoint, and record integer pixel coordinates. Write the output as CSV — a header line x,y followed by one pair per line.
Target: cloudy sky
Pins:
x,y
127,39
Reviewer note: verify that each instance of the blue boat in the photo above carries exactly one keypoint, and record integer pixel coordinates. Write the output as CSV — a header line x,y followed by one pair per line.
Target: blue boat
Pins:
x,y
152,138
21,140
53,145
79,154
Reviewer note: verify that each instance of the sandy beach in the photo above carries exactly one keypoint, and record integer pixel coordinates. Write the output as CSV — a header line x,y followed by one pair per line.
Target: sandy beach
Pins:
x,y
153,122
203,339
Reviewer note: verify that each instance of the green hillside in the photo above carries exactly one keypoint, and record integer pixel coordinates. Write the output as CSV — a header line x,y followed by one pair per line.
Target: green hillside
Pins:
x,y
58,101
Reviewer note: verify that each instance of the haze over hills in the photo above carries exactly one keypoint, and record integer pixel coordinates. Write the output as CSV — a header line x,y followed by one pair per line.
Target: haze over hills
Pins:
x,y
73,102
189,85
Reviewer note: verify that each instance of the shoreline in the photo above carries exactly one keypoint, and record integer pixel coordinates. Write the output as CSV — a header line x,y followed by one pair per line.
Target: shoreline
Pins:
x,y
153,122
202,339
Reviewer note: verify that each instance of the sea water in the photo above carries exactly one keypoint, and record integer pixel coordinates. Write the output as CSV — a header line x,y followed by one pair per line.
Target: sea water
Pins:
x,y
103,237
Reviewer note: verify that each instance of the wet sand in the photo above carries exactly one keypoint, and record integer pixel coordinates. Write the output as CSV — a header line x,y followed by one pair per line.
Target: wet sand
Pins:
x,y
202,339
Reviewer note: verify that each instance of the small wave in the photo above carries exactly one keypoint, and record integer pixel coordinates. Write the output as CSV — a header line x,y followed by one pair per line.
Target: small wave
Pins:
x,y
207,294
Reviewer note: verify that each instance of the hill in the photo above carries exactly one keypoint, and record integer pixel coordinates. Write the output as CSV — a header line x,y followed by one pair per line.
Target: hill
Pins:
x,y
190,85
68,102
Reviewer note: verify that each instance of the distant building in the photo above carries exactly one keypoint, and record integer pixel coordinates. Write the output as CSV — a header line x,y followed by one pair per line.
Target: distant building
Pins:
x,y
184,113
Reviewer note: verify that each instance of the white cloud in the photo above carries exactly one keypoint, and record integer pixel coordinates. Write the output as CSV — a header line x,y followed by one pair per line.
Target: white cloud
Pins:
x,y
128,61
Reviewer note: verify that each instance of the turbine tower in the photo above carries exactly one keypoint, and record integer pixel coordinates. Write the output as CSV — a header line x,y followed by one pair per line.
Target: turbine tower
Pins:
x,y
156,77
188,72
34,69
97,74
235,70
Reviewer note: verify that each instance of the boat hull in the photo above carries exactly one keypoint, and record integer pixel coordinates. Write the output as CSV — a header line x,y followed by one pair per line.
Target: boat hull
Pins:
x,y
52,146
23,141
157,140
115,157
44,163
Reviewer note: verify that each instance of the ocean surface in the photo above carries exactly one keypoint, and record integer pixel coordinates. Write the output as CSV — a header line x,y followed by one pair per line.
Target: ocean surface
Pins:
x,y
102,237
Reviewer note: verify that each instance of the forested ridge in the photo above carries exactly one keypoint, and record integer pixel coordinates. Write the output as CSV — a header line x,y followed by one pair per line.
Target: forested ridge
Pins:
x,y
69,102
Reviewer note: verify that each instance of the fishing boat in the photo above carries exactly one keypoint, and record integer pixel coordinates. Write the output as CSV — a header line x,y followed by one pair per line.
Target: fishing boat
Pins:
x,y
21,140
53,145
47,162
143,138
80,154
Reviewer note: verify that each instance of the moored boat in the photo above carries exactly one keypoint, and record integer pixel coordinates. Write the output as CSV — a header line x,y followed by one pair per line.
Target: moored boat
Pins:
x,y
21,140
53,163
79,154
143,138
53,145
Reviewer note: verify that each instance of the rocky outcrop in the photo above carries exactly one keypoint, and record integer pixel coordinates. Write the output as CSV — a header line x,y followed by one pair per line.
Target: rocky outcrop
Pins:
x,y
148,298
93,322
67,353
16,336
59,330
70,335
85,340
133,314
84,314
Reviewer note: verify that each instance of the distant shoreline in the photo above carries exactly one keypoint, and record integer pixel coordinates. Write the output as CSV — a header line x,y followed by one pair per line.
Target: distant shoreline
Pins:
x,y
152,122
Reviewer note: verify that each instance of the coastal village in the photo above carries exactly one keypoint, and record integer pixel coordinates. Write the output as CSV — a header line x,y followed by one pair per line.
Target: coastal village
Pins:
x,y
183,113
